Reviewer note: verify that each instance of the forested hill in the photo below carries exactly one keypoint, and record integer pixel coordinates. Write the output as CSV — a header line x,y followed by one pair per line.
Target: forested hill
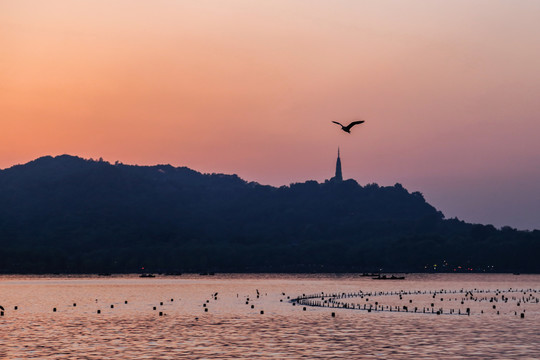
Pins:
x,y
70,215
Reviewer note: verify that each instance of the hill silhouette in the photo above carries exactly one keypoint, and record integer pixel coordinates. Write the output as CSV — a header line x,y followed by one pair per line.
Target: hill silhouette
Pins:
x,y
71,215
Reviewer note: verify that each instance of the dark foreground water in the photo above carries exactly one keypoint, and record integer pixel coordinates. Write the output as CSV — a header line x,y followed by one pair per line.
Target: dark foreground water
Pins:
x,y
232,329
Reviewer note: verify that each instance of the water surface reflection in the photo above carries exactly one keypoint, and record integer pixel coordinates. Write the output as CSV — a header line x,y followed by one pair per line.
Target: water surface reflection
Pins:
x,y
230,328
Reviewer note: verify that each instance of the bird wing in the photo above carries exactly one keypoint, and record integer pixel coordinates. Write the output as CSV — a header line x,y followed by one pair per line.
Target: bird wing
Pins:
x,y
335,122
355,123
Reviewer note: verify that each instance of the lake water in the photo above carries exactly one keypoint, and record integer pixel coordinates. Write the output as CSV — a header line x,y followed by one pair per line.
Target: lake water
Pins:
x,y
232,329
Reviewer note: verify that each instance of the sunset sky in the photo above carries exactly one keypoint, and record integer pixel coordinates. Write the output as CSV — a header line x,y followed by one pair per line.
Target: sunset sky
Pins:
x,y
450,91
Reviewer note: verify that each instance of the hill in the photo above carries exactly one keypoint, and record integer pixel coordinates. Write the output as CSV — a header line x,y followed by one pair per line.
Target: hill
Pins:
x,y
71,215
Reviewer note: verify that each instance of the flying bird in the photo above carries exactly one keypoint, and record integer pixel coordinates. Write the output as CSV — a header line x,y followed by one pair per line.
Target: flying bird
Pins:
x,y
347,128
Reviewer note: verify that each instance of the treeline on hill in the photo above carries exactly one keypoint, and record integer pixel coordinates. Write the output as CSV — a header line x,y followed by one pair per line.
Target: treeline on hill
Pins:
x,y
70,215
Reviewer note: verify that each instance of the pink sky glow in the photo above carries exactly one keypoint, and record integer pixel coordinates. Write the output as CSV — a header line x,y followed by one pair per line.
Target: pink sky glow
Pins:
x,y
449,91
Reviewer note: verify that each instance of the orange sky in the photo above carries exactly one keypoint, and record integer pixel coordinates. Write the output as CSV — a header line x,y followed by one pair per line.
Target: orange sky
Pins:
x,y
449,91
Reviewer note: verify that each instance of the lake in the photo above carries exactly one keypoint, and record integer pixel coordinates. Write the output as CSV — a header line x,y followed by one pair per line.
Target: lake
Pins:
x,y
379,322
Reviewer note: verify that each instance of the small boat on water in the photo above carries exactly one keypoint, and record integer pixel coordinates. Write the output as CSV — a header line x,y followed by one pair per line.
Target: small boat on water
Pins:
x,y
147,276
393,277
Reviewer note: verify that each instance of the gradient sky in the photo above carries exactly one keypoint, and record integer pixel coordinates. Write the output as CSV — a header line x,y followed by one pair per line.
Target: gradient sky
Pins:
x,y
450,91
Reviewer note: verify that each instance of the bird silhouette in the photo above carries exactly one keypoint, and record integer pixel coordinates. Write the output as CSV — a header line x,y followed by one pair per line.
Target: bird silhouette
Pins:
x,y
347,128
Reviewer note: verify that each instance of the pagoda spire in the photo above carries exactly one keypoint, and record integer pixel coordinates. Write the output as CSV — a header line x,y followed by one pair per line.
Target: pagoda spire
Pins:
x,y
339,175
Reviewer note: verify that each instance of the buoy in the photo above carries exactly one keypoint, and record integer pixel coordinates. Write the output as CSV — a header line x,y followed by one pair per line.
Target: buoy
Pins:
x,y
154,308
74,304
54,309
112,306
333,314
160,313
99,311
252,306
522,315
161,303
262,312
16,307
304,308
125,302
205,309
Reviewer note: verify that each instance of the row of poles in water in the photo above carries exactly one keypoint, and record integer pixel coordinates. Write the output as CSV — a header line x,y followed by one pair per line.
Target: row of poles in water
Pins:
x,y
333,300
